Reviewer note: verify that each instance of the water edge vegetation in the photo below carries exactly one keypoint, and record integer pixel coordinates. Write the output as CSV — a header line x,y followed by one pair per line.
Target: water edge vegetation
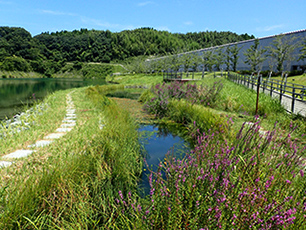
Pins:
x,y
239,175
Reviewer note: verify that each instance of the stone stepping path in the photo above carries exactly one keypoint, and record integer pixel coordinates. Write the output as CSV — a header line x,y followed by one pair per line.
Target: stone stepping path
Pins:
x,y
67,125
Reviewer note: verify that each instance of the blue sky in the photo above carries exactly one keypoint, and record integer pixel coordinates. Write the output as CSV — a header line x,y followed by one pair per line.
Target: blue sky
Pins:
x,y
257,17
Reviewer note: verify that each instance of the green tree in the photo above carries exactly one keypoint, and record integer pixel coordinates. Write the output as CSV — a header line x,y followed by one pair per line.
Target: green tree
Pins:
x,y
227,59
219,58
195,62
15,64
186,60
206,60
255,56
303,51
282,50
234,56
175,62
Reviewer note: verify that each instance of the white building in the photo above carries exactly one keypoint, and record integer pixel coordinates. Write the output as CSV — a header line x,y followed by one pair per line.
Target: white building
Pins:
x,y
264,43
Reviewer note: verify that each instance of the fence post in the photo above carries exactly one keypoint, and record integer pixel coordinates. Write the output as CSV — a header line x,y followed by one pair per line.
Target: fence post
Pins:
x,y
257,98
271,89
281,92
293,100
252,82
248,81
285,83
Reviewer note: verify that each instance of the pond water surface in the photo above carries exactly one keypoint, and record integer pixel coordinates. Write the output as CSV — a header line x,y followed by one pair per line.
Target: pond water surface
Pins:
x,y
16,93
157,143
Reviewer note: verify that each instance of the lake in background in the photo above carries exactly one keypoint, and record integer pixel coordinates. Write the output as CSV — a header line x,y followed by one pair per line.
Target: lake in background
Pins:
x,y
16,93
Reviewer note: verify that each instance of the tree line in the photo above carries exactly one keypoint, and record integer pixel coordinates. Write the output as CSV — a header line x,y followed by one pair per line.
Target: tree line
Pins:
x,y
48,52
279,55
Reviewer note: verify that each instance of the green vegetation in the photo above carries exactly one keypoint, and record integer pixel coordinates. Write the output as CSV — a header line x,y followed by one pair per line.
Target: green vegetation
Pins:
x,y
71,184
298,79
48,53
244,171
235,177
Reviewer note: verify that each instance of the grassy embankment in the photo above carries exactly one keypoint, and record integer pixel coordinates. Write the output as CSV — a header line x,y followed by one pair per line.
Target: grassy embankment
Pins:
x,y
87,179
234,101
70,184
71,70
20,74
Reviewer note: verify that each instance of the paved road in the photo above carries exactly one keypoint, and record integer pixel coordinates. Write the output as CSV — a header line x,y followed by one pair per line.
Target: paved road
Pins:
x,y
299,105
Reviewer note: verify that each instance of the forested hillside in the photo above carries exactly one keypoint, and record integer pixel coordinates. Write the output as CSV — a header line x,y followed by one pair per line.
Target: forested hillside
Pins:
x,y
48,52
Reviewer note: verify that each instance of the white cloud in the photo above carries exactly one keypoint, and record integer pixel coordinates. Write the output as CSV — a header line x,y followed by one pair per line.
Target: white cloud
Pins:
x,y
163,28
106,25
188,23
100,23
57,13
270,28
145,3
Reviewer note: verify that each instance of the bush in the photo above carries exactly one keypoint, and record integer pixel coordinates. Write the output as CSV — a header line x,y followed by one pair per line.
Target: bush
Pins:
x,y
196,118
78,65
15,64
203,95
96,71
185,104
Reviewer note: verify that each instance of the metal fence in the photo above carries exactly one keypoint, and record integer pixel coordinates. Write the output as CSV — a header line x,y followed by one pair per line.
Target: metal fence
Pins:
x,y
172,76
291,96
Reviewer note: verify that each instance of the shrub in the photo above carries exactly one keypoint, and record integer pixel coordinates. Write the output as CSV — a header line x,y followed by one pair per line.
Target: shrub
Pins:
x,y
96,71
203,95
196,118
15,64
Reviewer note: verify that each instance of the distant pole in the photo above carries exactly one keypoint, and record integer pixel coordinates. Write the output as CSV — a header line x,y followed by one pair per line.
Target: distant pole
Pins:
x,y
257,98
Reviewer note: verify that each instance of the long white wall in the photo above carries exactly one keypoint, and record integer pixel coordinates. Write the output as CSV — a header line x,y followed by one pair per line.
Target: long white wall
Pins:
x,y
263,43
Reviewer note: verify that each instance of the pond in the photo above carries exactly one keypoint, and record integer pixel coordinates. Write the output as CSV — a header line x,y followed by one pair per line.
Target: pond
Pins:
x,y
156,140
157,143
16,93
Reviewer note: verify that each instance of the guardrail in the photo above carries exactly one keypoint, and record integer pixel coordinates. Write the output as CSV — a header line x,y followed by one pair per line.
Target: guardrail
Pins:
x,y
172,76
292,96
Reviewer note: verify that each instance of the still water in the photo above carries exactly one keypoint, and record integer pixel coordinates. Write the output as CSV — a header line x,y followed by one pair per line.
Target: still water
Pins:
x,y
16,93
157,143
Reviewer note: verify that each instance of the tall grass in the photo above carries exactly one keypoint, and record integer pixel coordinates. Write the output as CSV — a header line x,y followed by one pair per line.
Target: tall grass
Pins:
x,y
238,101
35,123
186,104
252,180
70,184
88,178
257,182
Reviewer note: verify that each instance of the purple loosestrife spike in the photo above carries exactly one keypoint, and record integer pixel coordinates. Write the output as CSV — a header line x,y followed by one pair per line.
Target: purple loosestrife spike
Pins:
x,y
288,181
120,194
302,173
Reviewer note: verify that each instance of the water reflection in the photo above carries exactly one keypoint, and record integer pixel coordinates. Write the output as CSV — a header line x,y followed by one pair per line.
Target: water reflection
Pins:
x,y
157,142
15,93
